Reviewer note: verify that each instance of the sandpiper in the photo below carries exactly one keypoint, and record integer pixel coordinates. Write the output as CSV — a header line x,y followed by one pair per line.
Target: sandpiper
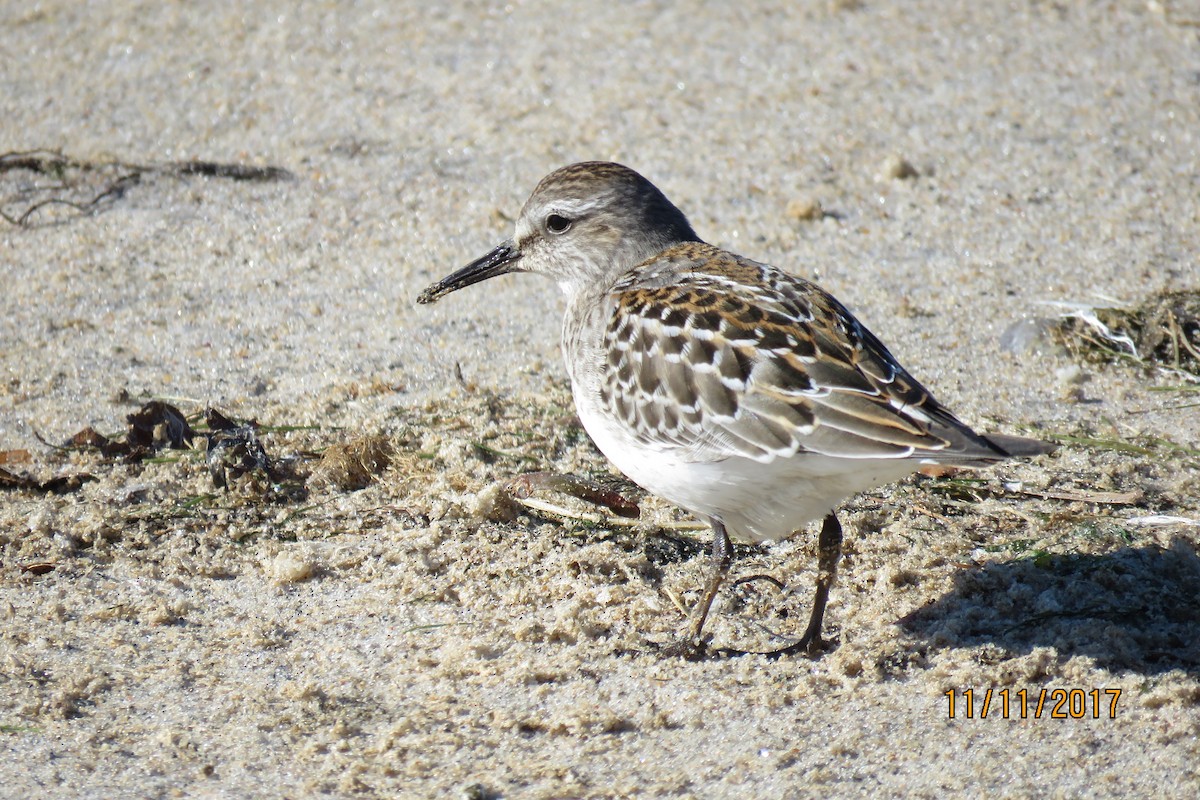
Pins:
x,y
750,397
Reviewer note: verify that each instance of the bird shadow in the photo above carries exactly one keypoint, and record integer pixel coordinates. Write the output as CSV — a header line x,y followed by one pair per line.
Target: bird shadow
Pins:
x,y
1136,609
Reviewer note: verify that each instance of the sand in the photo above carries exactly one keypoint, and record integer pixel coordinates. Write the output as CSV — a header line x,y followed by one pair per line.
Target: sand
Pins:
x,y
948,170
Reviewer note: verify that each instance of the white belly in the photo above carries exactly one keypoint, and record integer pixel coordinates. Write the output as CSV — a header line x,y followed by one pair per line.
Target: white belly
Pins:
x,y
756,501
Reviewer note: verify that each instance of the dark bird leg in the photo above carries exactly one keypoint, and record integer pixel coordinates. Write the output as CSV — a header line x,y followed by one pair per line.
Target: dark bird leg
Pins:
x,y
829,551
722,557
691,643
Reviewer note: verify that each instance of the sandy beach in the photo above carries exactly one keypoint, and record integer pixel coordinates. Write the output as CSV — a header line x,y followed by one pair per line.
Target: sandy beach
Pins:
x,y
209,206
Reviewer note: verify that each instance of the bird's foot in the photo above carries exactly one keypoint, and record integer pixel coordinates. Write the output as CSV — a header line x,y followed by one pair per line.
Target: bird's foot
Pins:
x,y
691,648
687,647
809,646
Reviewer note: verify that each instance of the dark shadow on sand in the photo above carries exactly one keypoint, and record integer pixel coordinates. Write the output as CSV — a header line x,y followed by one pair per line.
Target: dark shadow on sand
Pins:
x,y
1135,609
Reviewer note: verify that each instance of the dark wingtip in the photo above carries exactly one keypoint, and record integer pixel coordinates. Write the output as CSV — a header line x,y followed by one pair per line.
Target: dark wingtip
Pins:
x,y
1020,446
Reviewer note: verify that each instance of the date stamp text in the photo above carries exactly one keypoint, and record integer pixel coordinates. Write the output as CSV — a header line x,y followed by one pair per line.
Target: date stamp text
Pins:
x,y
1035,704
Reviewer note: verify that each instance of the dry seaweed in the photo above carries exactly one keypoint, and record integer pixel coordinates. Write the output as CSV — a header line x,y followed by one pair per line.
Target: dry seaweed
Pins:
x,y
155,426
592,491
62,484
48,178
1162,332
353,465
19,456
233,450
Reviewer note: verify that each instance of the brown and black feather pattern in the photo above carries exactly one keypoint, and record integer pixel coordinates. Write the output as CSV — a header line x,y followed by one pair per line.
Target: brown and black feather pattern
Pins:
x,y
723,356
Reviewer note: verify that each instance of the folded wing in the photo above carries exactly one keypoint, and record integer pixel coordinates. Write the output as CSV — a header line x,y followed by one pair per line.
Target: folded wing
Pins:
x,y
746,360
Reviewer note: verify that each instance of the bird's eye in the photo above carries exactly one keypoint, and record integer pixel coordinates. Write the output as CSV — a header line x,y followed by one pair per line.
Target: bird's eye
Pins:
x,y
556,223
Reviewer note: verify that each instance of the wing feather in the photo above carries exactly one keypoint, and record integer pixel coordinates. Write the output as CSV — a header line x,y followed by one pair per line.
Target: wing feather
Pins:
x,y
732,357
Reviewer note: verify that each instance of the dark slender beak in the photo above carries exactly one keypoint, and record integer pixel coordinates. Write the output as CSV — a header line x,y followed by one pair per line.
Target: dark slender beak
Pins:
x,y
498,262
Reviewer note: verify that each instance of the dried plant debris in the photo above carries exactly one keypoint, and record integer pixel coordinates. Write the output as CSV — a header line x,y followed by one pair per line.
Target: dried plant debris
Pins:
x,y
608,494
353,465
1162,332
561,497
20,456
155,426
233,449
37,182
59,485
158,426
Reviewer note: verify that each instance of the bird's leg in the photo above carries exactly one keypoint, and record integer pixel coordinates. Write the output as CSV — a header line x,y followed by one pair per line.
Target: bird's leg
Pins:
x,y
829,551
691,643
722,556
